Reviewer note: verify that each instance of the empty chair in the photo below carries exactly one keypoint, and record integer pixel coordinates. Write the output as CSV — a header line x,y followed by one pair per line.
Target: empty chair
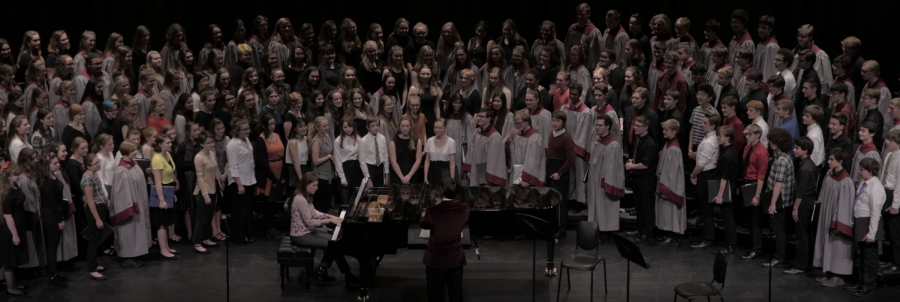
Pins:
x,y
705,289
587,240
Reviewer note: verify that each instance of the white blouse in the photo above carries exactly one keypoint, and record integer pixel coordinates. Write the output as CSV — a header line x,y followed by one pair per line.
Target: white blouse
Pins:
x,y
107,170
240,161
16,146
440,154
302,153
349,150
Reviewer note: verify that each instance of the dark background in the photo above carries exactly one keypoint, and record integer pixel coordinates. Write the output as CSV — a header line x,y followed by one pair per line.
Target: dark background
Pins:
x,y
833,20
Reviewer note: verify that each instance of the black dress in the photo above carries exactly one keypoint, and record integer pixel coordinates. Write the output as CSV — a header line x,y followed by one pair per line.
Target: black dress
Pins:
x,y
13,255
370,80
291,76
406,158
427,101
399,79
187,176
478,52
69,134
351,56
548,76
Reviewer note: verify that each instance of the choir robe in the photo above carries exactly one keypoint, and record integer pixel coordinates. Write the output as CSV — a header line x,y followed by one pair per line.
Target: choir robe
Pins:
x,y
670,210
656,70
486,164
51,92
82,80
579,124
170,54
851,89
614,41
706,53
517,85
375,105
130,210
833,253
80,60
34,239
675,82
695,49
711,75
68,243
506,74
455,85
615,130
541,121
282,52
536,49
740,83
204,55
846,108
231,57
460,129
61,117
883,102
685,70
589,36
790,82
581,75
143,100
527,149
108,63
91,117
822,67
4,95
606,183
671,43
29,89
737,42
773,120
187,81
764,56
171,98
509,125
864,151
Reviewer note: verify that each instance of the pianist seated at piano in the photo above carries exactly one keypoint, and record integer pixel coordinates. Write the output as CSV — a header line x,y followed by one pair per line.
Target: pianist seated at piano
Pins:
x,y
306,232
444,258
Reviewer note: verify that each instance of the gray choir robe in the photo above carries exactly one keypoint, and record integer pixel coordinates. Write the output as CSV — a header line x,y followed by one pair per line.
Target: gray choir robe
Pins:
x,y
538,46
606,183
619,38
68,243
706,53
51,93
60,118
91,117
764,57
375,105
79,61
171,98
282,53
685,70
579,124
143,100
527,149
541,121
615,129
460,129
864,151
671,43
82,80
884,101
517,84
257,47
170,55
453,85
130,211
582,75
187,81
670,210
203,56
486,161
822,67
589,37
509,126
35,238
231,57
28,91
773,120
833,253
107,64
653,74
738,42
506,76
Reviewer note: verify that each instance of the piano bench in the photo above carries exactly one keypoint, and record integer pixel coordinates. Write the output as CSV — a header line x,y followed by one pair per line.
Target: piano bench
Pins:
x,y
290,255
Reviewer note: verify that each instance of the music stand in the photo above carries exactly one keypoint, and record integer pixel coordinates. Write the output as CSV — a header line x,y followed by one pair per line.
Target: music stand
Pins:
x,y
632,253
534,225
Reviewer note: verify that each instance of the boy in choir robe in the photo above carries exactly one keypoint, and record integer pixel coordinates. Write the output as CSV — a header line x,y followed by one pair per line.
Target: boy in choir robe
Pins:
x,y
784,59
485,164
754,114
641,166
671,79
804,71
869,111
711,35
656,70
834,233
739,19
717,61
889,174
839,67
776,94
778,199
579,117
671,217
723,84
753,91
804,201
130,208
540,117
869,201
586,34
614,37
602,107
755,160
685,62
373,155
560,159
838,139
822,63
812,117
866,150
730,118
764,56
683,31
525,150
850,48
871,72
839,102
606,181
702,172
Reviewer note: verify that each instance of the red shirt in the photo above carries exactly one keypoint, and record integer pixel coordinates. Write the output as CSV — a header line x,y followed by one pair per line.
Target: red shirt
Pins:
x,y
158,123
446,221
758,163
560,98
561,147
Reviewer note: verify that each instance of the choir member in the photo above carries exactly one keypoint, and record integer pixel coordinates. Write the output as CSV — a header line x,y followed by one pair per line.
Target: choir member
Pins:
x,y
718,57
833,246
615,72
711,35
727,169
669,111
483,164
671,79
394,67
641,167
532,82
399,37
240,66
59,45
14,244
754,90
810,90
268,147
739,20
634,57
723,86
130,209
54,213
764,55
636,27
561,94
375,34
440,155
812,117
729,118
348,44
685,62
174,45
261,36
92,101
388,126
633,81
495,78
579,117
869,112
707,161
601,76
578,72
109,56
519,68
614,37
375,153
445,46
838,138
87,46
821,61
405,154
755,117
804,203
6,54
459,126
661,28
584,33
783,61
547,67
231,53
213,41
44,134
705,96
606,185
868,203
346,154
525,150
322,161
840,66
453,79
66,92
780,184
478,43
866,150
310,80
639,106
35,80
96,214
503,117
92,71
420,33
163,214
390,91
804,71
777,93
370,68
27,161
64,72
683,31
889,173
600,91
241,180
209,183
560,154
671,216
416,118
850,48
656,69
297,152
18,136
548,38
871,73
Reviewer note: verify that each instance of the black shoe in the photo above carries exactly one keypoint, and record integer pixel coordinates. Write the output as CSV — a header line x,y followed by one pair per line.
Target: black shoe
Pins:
x,y
644,239
21,293
853,287
702,245
632,233
889,270
131,263
322,275
749,255
161,257
773,263
727,250
351,280
57,282
665,241
863,292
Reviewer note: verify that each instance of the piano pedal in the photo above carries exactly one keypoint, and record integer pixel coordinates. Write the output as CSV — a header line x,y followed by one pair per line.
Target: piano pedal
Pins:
x,y
550,271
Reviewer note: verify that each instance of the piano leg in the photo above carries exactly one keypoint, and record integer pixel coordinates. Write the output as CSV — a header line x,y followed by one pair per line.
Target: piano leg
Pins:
x,y
365,268
551,248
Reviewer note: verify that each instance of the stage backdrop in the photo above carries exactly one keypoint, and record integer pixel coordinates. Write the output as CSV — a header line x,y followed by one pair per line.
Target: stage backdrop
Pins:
x,y
833,20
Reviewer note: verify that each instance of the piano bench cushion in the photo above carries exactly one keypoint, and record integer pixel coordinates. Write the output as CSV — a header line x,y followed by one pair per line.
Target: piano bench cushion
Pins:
x,y
292,255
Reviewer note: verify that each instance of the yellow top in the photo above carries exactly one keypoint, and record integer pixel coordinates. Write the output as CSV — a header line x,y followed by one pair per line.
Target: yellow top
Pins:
x,y
167,166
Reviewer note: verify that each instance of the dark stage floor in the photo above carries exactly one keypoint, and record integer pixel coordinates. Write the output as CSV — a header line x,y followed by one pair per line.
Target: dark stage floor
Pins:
x,y
502,274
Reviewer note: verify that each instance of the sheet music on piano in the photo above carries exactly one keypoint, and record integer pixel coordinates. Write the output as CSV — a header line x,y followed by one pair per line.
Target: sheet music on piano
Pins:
x,y
353,207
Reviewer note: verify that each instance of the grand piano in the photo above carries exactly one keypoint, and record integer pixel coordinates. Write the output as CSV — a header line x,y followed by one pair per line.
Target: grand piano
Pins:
x,y
376,223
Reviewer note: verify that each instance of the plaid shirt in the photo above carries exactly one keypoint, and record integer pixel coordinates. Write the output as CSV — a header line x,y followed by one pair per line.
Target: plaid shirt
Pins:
x,y
782,171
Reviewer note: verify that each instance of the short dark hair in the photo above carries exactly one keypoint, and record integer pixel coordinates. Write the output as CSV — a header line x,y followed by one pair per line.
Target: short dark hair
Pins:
x,y
767,20
560,115
787,55
839,154
712,25
840,117
805,144
728,132
699,68
753,74
575,86
839,87
814,83
708,89
488,112
870,126
843,61
730,101
871,165
607,121
450,188
741,15
815,112
714,119
780,138
776,81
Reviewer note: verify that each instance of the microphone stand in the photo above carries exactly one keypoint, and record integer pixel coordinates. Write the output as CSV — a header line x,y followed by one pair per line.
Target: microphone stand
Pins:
x,y
227,261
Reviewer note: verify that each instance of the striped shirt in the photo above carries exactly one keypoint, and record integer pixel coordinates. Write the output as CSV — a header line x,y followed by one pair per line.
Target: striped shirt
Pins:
x,y
696,119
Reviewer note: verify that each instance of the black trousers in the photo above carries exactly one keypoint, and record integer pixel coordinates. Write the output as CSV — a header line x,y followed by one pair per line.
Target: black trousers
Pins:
x,y
562,186
706,208
241,212
868,264
893,229
202,228
52,236
802,233
376,175
777,222
322,198
645,202
441,280
728,215
756,222
270,204
95,236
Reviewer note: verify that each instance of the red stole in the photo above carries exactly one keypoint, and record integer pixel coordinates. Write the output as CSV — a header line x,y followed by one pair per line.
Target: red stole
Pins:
x,y
588,28
560,98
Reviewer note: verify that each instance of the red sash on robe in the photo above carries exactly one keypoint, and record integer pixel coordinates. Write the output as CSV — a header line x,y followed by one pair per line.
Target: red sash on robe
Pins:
x,y
836,224
663,189
770,39
609,188
125,214
588,28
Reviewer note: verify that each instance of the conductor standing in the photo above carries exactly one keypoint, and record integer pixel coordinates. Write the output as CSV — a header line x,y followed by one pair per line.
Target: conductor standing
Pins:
x,y
444,258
